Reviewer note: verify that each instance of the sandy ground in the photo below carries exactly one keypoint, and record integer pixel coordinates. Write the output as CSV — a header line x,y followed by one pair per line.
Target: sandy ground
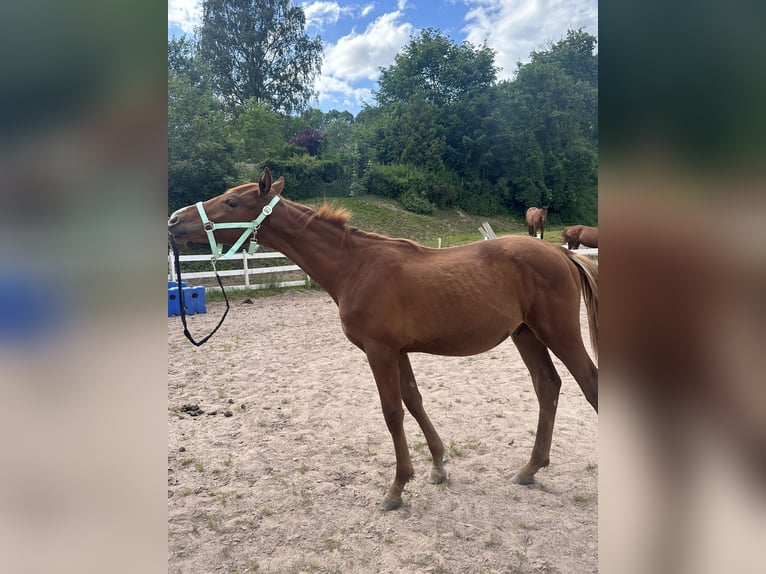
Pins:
x,y
278,456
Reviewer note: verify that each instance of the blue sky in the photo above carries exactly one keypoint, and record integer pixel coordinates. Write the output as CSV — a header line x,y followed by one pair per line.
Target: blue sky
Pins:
x,y
361,37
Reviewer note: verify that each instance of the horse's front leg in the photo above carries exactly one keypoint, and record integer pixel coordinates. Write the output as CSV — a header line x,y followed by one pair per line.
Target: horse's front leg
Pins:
x,y
384,363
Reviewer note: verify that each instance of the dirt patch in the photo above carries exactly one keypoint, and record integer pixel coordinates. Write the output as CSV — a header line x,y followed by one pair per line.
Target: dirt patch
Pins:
x,y
284,471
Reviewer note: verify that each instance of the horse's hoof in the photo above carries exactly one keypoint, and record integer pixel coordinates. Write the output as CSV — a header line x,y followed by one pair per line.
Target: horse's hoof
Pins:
x,y
389,503
523,479
438,475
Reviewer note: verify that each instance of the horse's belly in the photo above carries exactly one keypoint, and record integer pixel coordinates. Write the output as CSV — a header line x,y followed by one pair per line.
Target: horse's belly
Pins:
x,y
448,335
456,347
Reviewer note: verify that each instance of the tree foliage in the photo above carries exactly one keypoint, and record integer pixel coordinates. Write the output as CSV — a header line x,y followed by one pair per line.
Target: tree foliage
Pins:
x,y
554,107
309,139
258,49
437,70
201,146
443,133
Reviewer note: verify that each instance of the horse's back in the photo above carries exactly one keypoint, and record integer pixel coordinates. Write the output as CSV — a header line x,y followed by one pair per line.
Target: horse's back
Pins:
x,y
589,236
504,273
510,260
584,234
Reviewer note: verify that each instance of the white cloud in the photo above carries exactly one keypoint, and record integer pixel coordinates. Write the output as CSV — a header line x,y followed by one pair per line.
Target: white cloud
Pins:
x,y
320,14
358,56
367,9
342,95
352,65
186,14
514,28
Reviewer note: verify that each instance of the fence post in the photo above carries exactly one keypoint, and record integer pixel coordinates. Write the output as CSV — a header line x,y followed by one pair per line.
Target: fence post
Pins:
x,y
171,266
244,265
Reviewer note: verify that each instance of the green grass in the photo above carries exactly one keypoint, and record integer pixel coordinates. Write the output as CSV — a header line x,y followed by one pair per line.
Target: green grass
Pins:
x,y
387,217
241,294
454,450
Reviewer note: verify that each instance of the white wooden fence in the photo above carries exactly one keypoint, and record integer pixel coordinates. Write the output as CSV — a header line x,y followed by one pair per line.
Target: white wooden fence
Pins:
x,y
247,270
587,251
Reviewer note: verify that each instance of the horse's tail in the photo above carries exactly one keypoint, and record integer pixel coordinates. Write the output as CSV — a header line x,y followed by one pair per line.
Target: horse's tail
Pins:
x,y
589,284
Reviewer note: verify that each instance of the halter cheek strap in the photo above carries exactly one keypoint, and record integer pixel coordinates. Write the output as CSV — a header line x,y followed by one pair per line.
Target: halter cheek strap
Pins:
x,y
248,226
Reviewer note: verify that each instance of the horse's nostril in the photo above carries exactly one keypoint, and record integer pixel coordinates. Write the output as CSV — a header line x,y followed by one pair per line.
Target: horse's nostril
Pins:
x,y
173,220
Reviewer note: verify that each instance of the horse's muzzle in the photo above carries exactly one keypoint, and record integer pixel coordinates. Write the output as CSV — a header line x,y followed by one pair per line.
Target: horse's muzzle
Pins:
x,y
175,229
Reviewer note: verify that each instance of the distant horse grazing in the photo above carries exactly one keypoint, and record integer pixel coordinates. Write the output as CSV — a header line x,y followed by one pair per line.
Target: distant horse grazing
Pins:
x,y
536,218
397,297
574,235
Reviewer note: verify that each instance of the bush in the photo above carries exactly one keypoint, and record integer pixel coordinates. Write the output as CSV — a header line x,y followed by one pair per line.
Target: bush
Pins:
x,y
479,198
412,200
305,175
386,180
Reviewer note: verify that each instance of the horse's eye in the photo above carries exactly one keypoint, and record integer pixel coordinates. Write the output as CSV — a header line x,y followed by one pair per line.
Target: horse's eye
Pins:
x,y
231,203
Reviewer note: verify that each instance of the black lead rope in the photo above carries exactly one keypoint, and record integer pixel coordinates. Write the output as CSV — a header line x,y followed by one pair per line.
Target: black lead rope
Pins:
x,y
181,296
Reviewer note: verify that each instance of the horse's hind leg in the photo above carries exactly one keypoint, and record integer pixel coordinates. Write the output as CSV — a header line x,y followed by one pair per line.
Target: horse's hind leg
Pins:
x,y
571,350
414,403
547,384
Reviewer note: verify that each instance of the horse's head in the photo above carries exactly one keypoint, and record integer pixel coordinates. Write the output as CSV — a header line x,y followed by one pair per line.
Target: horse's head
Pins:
x,y
238,204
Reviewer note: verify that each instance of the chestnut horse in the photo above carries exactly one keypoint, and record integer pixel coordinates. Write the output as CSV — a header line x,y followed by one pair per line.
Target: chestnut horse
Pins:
x,y
397,297
574,235
536,218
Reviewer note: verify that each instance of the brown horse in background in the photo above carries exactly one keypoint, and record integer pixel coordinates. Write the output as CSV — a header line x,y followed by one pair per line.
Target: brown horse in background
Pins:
x,y
536,219
396,297
574,235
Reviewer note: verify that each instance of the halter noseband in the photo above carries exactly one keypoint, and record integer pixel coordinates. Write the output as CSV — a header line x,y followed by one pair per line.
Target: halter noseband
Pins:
x,y
249,227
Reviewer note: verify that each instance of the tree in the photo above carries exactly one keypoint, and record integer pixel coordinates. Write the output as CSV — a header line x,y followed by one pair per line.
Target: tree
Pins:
x,y
309,139
551,122
433,67
258,49
199,148
260,132
183,60
435,99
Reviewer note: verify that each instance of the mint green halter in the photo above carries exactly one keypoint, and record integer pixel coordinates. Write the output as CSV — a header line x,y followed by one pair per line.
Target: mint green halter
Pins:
x,y
249,227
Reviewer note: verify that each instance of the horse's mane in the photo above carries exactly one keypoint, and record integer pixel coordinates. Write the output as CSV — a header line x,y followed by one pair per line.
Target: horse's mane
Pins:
x,y
337,215
340,217
244,187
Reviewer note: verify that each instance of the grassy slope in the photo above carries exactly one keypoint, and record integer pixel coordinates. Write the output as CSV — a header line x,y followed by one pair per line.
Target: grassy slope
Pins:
x,y
387,217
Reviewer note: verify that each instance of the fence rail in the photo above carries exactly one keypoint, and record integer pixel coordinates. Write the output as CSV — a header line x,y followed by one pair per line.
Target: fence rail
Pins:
x,y
247,270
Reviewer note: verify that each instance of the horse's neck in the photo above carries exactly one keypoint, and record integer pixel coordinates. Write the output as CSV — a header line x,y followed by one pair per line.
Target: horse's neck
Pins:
x,y
317,246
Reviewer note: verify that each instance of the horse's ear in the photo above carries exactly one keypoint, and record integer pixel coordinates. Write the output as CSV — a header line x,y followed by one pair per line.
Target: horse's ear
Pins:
x,y
264,184
278,186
